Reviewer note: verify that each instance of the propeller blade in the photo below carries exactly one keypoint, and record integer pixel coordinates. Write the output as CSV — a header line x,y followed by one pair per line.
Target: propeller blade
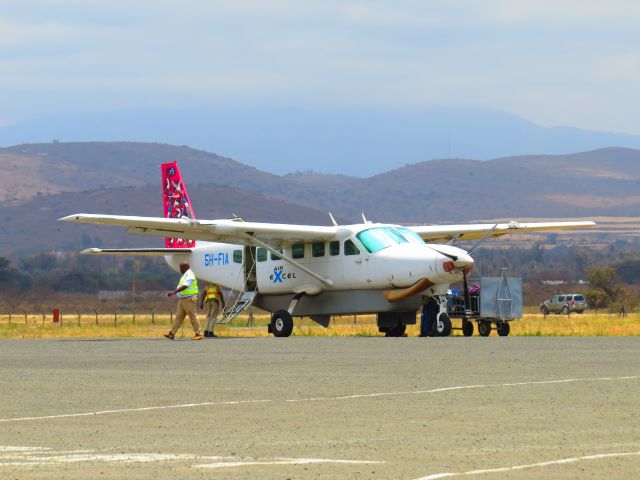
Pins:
x,y
452,257
484,237
467,299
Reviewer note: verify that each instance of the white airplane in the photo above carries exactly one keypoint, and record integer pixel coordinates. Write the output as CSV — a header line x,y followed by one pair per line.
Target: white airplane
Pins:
x,y
315,271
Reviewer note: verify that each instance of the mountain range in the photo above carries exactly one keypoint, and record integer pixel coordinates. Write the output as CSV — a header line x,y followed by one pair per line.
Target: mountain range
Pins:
x,y
359,142
42,182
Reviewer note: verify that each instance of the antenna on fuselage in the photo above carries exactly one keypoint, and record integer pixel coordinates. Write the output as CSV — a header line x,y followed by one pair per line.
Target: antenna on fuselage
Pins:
x,y
333,220
364,219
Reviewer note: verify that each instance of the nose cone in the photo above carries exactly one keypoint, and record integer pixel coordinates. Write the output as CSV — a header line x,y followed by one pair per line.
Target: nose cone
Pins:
x,y
464,261
460,260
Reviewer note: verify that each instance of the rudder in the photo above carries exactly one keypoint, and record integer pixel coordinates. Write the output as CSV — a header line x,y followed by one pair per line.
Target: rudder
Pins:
x,y
176,202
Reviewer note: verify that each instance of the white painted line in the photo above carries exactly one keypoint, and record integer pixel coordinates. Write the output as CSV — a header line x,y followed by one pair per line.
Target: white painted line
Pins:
x,y
284,461
26,457
126,410
514,468
322,399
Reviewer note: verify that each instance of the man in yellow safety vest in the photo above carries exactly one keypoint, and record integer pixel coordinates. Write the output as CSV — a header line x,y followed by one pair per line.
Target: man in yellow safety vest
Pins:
x,y
187,293
212,298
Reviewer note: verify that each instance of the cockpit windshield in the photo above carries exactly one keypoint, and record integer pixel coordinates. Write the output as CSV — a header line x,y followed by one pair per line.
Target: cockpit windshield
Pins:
x,y
379,238
410,235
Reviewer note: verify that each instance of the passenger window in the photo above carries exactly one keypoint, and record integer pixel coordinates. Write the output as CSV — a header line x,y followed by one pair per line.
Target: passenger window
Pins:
x,y
350,248
276,257
317,249
237,256
261,254
297,250
334,248
561,299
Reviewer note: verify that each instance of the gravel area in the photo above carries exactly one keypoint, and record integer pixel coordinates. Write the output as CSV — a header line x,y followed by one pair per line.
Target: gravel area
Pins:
x,y
320,407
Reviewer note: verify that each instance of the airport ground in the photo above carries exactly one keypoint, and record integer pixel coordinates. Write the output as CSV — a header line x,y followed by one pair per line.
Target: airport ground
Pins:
x,y
321,407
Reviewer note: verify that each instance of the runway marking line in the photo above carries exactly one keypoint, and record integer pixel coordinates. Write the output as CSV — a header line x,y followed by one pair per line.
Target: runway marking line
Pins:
x,y
320,399
17,456
561,461
286,461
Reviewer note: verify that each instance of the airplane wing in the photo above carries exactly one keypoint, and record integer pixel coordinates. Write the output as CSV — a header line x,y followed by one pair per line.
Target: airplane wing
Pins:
x,y
224,231
444,233
148,252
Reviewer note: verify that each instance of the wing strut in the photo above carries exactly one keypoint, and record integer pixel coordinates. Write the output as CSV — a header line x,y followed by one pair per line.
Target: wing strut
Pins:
x,y
260,243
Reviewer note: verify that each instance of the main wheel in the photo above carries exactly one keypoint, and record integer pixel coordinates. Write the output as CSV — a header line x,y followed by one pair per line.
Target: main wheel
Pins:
x,y
442,327
503,329
397,331
467,328
544,310
565,310
484,328
281,324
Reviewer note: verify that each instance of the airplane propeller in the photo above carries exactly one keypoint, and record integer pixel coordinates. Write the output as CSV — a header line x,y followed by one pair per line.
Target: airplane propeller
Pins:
x,y
467,298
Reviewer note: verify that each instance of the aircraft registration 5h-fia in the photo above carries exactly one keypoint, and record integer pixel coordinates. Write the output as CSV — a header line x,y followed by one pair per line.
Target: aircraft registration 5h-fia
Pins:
x,y
314,271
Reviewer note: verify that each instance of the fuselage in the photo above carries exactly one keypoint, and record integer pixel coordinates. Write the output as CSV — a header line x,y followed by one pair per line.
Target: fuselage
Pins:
x,y
361,257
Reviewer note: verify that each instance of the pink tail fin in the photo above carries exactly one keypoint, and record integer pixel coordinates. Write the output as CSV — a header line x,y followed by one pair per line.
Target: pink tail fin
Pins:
x,y
176,202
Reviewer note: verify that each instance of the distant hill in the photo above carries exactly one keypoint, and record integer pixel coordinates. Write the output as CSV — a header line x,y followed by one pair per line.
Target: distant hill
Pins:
x,y
357,141
92,165
33,227
42,182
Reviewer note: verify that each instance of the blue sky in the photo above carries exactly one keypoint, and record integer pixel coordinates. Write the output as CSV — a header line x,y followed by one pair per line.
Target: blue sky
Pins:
x,y
562,62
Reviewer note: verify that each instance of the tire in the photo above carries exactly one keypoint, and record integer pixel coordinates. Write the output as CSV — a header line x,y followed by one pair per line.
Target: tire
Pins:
x,y
544,310
467,328
397,331
503,329
442,327
484,328
281,324
580,311
565,310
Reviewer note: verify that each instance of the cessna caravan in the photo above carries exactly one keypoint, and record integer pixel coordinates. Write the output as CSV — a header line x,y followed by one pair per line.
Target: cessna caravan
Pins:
x,y
314,271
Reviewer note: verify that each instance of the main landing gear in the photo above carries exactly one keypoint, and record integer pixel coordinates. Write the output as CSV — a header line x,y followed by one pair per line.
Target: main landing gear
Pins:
x,y
281,324
282,320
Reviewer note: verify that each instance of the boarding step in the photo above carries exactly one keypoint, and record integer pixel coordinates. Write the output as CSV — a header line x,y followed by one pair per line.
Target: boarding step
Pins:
x,y
241,304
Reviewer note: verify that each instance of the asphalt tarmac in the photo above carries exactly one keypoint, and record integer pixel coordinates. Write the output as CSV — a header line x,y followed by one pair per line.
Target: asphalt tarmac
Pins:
x,y
321,407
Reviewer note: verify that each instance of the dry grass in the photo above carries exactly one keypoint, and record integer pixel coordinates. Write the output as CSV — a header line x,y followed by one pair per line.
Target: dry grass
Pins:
x,y
34,326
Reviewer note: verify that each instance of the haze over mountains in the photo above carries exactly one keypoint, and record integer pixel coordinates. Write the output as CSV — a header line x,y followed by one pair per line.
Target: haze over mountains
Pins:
x,y
357,142
42,182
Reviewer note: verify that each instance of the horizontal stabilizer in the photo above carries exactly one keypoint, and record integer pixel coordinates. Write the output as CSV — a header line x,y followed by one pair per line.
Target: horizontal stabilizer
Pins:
x,y
149,252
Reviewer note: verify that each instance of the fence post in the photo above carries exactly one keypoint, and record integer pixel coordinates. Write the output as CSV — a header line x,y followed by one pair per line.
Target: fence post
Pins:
x,y
153,316
79,316
115,318
170,317
10,315
133,312
25,316
96,312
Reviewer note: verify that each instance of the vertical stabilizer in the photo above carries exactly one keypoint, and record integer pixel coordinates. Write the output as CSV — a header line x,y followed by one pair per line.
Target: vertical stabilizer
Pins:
x,y
176,202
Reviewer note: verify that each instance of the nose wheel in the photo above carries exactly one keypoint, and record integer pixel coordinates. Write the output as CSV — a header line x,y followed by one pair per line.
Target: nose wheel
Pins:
x,y
442,328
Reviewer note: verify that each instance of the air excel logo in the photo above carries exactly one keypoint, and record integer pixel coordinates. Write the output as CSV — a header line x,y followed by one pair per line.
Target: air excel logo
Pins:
x,y
279,275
